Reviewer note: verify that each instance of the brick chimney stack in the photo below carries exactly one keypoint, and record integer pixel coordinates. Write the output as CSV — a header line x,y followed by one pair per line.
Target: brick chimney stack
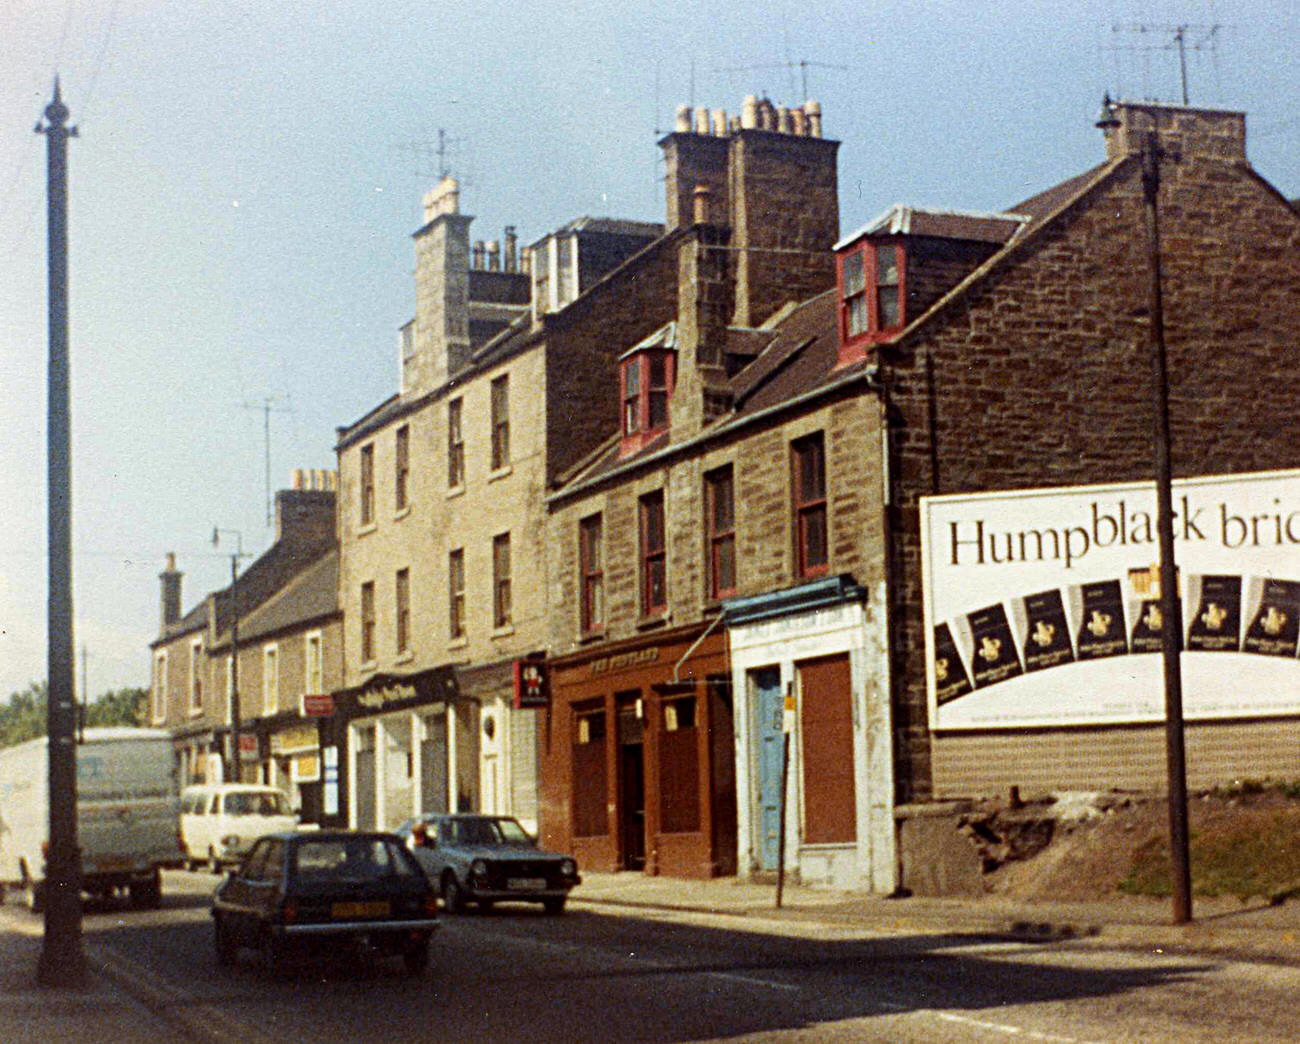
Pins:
x,y
442,262
1183,131
171,591
772,178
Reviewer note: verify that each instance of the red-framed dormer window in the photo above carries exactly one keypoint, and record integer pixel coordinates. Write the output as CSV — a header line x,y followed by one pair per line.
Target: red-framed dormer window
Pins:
x,y
872,287
645,386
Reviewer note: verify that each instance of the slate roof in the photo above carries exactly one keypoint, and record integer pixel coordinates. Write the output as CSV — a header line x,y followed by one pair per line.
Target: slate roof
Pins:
x,y
309,596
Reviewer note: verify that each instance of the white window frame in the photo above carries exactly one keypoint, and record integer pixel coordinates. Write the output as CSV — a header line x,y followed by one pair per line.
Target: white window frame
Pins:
x,y
159,708
195,699
270,679
313,659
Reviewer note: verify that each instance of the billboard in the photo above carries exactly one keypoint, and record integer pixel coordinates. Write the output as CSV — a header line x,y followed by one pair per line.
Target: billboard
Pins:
x,y
1042,607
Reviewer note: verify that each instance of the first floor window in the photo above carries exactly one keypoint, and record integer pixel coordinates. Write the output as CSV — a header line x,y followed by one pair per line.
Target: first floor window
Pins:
x,y
720,525
270,680
368,622
501,609
196,676
403,608
590,551
456,593
809,482
654,565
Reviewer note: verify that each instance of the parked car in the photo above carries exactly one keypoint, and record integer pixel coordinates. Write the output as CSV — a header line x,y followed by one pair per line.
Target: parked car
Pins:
x,y
220,821
317,889
488,859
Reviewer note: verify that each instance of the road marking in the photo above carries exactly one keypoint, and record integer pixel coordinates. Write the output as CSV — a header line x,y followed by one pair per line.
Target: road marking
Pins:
x,y
1002,1027
753,981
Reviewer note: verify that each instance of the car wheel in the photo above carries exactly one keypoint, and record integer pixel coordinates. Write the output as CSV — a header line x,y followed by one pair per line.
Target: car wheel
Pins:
x,y
416,957
485,905
214,864
453,896
554,905
227,948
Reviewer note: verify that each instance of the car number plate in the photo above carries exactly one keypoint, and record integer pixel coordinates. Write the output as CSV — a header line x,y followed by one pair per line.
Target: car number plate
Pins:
x,y
340,911
526,884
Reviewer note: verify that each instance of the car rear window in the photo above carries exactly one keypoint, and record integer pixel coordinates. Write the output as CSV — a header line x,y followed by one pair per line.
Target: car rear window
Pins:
x,y
353,859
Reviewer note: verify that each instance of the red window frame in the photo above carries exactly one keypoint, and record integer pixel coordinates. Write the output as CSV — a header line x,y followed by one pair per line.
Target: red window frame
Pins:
x,y
720,527
592,568
864,284
808,493
654,560
645,383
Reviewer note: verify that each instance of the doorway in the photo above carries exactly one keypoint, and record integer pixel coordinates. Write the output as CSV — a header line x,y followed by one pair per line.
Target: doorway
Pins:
x,y
768,706
631,781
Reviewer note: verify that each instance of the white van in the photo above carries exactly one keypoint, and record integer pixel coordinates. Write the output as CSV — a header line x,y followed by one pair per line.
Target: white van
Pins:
x,y
126,814
220,821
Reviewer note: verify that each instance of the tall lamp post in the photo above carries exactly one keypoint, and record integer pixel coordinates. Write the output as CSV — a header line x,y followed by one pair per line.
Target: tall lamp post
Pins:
x,y
235,556
62,961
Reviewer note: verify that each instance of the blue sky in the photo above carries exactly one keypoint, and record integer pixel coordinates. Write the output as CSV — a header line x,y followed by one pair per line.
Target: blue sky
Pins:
x,y
248,175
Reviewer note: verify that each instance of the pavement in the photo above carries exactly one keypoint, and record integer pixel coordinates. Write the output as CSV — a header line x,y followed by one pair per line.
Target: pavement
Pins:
x,y
119,1003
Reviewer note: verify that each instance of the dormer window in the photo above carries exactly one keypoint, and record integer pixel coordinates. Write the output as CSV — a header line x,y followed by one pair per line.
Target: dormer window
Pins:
x,y
871,285
645,383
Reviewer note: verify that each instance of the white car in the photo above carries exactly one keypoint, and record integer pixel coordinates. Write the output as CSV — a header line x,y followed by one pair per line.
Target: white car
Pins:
x,y
220,821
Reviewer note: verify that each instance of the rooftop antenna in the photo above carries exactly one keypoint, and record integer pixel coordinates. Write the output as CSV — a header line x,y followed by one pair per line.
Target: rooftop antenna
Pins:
x,y
803,65
424,153
1181,38
270,404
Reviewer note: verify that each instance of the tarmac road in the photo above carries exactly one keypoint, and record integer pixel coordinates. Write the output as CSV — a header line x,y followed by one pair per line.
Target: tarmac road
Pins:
x,y
608,973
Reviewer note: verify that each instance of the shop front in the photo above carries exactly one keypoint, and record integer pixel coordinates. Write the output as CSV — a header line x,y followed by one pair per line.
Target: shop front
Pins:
x,y
408,745
813,725
638,769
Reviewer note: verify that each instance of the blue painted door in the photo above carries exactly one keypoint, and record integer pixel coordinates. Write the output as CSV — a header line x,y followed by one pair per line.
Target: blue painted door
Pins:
x,y
768,706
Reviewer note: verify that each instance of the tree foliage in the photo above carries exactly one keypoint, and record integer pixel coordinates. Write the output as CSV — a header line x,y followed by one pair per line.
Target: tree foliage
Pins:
x,y
24,716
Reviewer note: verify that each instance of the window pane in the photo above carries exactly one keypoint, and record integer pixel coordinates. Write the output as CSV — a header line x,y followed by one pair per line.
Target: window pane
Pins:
x,y
658,409
887,306
857,315
853,274
814,542
886,265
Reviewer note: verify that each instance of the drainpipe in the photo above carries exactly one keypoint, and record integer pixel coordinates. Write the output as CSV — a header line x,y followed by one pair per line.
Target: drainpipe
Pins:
x,y
695,645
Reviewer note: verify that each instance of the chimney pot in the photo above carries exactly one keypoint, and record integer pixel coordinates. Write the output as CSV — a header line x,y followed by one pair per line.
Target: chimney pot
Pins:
x,y
814,111
701,201
512,249
494,256
720,123
683,124
479,249
701,121
798,122
783,124
749,113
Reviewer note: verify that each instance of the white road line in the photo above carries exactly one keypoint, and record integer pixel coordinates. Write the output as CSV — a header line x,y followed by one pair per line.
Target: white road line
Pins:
x,y
1006,1028
752,981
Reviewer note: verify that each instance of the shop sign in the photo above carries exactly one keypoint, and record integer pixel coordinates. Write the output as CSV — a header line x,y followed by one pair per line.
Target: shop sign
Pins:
x,y
623,661
317,705
532,678
248,750
300,737
394,691
1043,606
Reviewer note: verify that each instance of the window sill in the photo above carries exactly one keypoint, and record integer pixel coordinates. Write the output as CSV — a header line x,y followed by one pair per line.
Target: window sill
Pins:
x,y
455,491
369,667
651,621
502,472
401,513
503,632
405,657
367,529
196,712
458,643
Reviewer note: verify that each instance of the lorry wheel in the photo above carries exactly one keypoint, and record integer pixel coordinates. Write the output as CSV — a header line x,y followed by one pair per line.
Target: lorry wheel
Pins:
x,y
147,894
214,864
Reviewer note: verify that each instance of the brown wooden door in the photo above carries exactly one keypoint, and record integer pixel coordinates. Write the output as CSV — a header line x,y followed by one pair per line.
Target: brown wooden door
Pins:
x,y
826,734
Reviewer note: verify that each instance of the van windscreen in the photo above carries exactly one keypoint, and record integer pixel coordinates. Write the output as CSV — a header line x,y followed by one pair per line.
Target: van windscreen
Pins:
x,y
247,803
